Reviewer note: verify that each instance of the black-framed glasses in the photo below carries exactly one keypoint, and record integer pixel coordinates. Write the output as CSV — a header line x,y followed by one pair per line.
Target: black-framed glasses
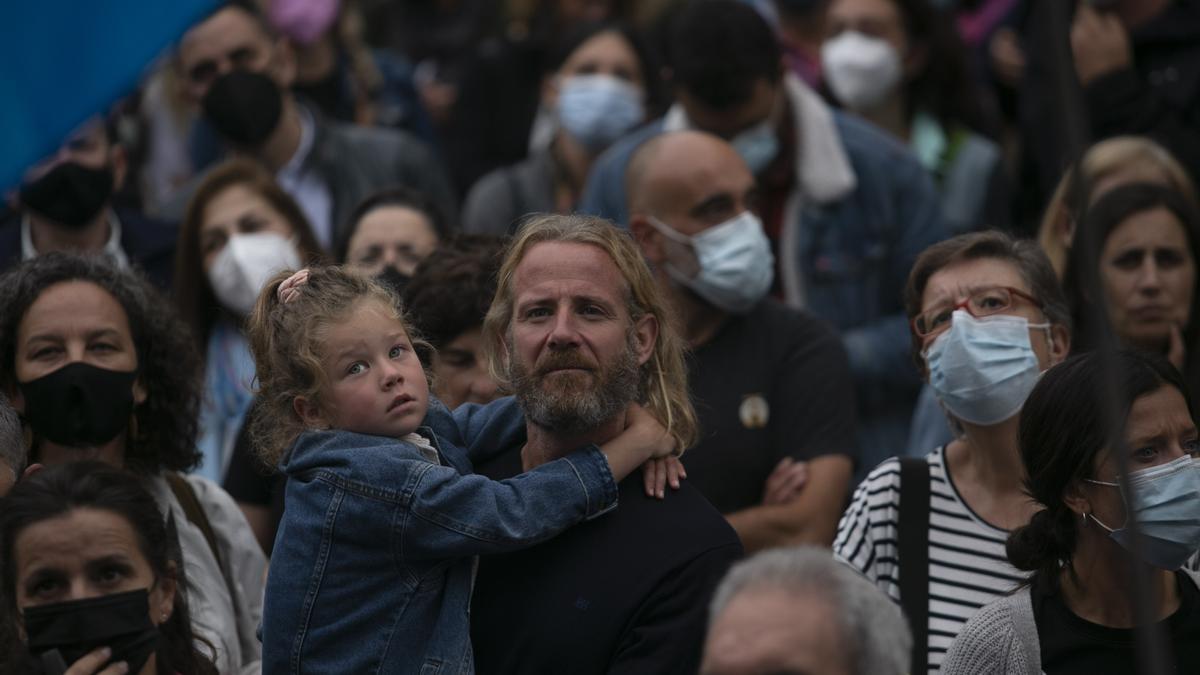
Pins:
x,y
980,303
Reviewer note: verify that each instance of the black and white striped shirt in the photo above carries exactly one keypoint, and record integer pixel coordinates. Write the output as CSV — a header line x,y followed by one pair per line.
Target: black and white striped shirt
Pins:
x,y
967,565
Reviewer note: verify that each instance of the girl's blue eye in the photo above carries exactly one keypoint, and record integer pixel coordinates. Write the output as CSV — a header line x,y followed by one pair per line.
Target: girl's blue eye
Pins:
x,y
396,351
356,368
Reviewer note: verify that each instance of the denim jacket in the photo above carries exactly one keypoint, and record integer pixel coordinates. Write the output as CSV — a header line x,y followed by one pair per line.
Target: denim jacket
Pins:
x,y
374,559
862,210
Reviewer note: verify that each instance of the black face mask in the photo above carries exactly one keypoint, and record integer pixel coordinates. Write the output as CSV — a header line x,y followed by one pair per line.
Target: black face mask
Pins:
x,y
69,194
63,632
393,278
79,404
244,107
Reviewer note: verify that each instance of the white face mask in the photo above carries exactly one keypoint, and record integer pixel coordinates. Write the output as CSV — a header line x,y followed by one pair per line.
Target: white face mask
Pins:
x,y
735,266
861,70
242,268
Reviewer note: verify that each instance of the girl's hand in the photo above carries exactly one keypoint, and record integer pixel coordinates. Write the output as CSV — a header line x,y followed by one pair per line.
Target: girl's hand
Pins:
x,y
658,472
643,431
90,663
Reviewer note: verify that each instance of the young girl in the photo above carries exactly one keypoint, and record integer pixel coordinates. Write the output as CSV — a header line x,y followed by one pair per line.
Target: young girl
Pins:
x,y
373,562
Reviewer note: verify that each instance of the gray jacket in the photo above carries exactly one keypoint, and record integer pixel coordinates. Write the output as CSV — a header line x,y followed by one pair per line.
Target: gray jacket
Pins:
x,y
1002,639
501,198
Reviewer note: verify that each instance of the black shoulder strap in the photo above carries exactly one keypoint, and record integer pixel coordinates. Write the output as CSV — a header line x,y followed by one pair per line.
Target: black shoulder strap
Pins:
x,y
914,556
193,510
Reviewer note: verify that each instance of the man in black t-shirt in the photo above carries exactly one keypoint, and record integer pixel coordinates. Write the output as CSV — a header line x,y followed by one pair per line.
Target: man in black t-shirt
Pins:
x,y
772,385
578,331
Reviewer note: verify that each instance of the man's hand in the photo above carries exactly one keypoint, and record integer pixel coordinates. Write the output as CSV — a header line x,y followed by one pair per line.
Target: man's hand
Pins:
x,y
785,482
1099,43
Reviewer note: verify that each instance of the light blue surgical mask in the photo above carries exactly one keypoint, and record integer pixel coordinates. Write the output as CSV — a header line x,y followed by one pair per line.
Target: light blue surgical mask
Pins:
x,y
734,264
757,145
1166,504
983,369
598,109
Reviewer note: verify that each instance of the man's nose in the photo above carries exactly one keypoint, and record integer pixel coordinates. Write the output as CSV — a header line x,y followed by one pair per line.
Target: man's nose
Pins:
x,y
564,332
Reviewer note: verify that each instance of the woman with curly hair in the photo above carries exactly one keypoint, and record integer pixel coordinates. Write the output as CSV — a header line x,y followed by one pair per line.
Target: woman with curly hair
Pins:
x,y
99,367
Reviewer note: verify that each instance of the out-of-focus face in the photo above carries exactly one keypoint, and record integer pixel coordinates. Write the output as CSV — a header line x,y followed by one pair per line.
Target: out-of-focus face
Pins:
x,y
70,322
88,147
1159,430
376,384
85,553
876,18
237,210
607,53
229,39
767,632
729,122
394,236
1149,277
460,371
956,283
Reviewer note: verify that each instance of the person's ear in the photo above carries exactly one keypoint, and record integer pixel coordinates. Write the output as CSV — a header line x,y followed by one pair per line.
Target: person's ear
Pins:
x,y
118,159
646,335
284,64
1076,500
162,596
648,239
1066,230
1060,343
309,413
139,391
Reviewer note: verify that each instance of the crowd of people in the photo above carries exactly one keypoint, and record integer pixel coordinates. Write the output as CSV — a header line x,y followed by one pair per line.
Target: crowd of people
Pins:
x,y
731,337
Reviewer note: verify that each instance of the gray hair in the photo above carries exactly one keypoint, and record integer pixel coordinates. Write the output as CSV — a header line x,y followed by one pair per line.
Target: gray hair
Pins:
x,y
12,442
876,635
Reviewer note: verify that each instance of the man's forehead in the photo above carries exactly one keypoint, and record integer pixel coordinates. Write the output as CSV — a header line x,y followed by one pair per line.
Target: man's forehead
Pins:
x,y
576,268
696,168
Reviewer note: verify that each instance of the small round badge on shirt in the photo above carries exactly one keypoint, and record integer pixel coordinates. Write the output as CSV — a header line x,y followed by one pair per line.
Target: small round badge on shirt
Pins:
x,y
754,411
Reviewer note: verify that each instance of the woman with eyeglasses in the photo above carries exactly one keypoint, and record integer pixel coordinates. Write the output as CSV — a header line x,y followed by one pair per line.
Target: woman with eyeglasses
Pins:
x,y
987,317
1078,610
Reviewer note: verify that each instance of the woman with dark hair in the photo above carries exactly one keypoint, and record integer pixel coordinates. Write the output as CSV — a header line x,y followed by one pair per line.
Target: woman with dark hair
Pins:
x,y
900,64
595,91
1077,612
390,233
988,317
1132,272
100,367
92,578
239,228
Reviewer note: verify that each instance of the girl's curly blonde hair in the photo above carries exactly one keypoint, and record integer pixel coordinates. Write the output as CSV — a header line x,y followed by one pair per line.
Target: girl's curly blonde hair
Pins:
x,y
287,341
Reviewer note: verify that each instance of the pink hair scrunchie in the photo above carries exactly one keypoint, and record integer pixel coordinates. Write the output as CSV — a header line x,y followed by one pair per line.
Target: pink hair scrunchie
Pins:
x,y
289,290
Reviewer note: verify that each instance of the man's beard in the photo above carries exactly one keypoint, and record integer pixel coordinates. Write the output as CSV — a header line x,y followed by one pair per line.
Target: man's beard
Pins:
x,y
574,402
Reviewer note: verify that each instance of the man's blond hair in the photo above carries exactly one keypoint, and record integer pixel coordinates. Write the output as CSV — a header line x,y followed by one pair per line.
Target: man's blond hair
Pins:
x,y
662,381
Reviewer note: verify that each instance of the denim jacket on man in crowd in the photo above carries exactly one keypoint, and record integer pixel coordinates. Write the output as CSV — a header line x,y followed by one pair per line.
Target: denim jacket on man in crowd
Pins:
x,y
861,211
374,560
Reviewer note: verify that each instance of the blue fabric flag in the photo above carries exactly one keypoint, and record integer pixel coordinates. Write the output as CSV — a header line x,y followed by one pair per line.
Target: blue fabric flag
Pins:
x,y
63,61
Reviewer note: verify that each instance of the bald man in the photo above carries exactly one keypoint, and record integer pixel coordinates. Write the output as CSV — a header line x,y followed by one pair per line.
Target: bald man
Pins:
x,y
772,385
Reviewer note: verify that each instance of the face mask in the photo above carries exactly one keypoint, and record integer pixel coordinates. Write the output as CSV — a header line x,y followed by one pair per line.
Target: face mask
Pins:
x,y
244,107
598,109
303,20
392,278
983,369
1166,504
243,267
736,266
757,145
69,630
861,70
69,194
79,404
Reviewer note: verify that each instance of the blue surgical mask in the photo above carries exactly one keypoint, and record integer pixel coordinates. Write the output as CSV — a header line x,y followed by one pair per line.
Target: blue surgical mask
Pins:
x,y
757,145
983,369
598,109
1166,504
735,266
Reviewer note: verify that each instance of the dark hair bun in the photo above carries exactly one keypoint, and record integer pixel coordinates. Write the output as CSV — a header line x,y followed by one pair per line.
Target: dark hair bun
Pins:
x,y
1040,545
